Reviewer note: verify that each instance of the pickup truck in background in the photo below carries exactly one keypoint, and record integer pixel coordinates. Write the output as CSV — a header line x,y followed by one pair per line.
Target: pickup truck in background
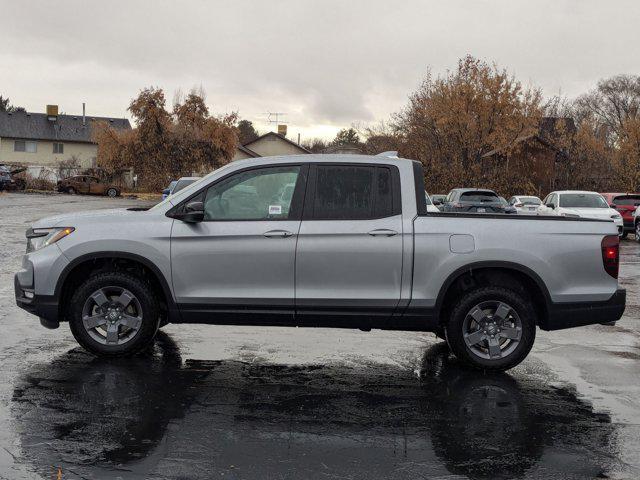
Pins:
x,y
352,246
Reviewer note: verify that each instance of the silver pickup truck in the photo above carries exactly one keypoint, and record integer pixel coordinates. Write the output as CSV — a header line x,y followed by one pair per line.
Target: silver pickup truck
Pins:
x,y
320,241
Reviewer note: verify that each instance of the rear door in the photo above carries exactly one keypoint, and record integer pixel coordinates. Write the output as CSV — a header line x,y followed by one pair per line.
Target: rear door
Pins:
x,y
95,186
349,253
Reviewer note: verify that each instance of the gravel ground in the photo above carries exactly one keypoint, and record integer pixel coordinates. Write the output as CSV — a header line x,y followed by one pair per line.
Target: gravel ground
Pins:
x,y
283,403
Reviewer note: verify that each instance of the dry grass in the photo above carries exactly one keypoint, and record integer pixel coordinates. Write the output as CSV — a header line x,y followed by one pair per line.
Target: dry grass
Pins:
x,y
148,197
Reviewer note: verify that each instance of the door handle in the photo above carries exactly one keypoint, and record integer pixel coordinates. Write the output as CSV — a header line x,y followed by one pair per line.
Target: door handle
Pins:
x,y
277,234
383,232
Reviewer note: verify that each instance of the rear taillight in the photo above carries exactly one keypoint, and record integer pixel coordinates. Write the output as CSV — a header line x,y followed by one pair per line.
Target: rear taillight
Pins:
x,y
611,254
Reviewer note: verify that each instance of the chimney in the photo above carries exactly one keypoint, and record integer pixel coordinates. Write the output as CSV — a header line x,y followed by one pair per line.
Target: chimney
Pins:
x,y
83,112
52,113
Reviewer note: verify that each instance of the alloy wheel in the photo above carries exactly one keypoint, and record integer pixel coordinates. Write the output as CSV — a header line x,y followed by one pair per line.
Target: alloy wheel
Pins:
x,y
112,315
492,330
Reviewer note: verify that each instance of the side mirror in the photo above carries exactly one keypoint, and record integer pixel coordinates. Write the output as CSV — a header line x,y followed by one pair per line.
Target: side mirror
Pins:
x,y
166,191
613,205
193,213
437,202
552,206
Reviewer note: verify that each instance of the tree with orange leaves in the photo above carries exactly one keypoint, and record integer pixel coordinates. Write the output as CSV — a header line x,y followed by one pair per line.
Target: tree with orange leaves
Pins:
x,y
165,146
451,122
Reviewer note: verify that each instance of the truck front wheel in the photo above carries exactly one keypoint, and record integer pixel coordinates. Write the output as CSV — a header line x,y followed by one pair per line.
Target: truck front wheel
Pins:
x,y
492,328
114,314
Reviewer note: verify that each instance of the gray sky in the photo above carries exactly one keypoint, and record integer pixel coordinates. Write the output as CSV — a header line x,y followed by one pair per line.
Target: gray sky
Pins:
x,y
325,63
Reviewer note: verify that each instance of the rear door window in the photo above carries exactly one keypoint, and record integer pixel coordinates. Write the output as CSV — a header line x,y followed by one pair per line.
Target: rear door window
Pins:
x,y
353,192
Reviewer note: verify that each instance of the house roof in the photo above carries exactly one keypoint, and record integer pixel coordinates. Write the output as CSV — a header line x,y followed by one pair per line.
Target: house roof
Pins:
x,y
248,151
302,149
66,128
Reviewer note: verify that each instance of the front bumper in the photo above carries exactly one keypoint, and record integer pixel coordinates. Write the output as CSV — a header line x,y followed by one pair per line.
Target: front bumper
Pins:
x,y
567,315
43,306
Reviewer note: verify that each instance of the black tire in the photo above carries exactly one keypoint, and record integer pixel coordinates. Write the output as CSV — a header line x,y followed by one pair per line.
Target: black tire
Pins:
x,y
143,293
455,327
623,235
112,192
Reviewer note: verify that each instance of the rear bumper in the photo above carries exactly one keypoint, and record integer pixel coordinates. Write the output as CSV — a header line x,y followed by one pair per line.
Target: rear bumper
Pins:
x,y
567,315
43,306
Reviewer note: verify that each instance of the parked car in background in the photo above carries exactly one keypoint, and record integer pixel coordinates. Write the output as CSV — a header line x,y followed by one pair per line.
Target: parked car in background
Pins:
x,y
525,204
507,208
176,185
431,208
87,184
625,204
438,199
577,203
473,200
8,181
167,191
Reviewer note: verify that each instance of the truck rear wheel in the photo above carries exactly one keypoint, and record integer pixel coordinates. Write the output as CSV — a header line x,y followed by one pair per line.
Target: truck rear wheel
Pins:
x,y
492,328
114,314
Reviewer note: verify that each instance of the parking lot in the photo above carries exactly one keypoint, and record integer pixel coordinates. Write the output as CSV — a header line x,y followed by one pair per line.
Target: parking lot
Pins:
x,y
279,403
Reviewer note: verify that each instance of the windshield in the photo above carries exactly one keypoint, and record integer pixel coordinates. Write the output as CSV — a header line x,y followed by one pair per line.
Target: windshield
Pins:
x,y
197,182
582,200
632,200
479,197
182,183
530,200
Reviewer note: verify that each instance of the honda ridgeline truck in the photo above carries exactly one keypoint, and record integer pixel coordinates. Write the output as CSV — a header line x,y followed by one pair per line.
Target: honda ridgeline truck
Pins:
x,y
320,241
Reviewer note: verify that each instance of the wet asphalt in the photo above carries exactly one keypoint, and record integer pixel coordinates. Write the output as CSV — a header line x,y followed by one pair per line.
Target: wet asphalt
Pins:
x,y
284,403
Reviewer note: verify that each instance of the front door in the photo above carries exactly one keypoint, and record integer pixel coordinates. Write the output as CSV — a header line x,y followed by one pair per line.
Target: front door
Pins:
x,y
82,184
237,266
349,255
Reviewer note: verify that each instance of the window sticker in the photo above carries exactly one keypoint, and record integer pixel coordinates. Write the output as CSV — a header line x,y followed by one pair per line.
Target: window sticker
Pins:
x,y
275,209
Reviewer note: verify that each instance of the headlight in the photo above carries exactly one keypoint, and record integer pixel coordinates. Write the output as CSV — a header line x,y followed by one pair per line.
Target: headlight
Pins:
x,y
616,217
41,237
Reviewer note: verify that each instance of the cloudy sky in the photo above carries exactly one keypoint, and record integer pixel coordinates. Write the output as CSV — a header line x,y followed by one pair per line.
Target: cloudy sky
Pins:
x,y
325,63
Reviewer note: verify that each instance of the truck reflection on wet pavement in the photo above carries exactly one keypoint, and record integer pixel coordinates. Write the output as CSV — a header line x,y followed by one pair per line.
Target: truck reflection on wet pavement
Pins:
x,y
158,416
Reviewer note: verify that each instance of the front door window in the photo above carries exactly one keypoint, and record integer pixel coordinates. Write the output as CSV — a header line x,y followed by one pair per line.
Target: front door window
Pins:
x,y
262,194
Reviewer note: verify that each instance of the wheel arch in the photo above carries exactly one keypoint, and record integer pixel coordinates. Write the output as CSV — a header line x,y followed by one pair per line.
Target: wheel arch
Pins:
x,y
498,273
96,260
